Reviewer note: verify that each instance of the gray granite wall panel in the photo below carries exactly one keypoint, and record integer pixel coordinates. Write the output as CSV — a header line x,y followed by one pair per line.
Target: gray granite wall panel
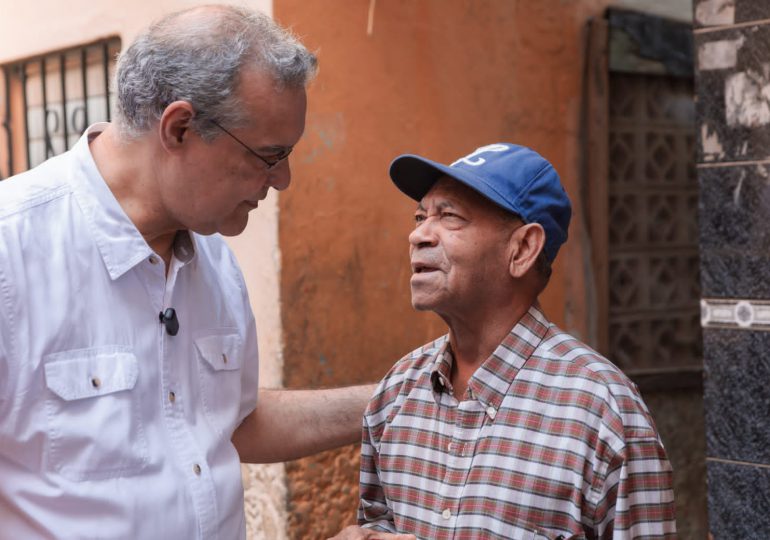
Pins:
x,y
739,501
733,79
732,42
736,396
734,216
710,13
747,11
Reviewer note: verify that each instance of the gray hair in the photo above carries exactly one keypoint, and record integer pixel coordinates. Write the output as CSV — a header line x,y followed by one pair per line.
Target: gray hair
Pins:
x,y
196,55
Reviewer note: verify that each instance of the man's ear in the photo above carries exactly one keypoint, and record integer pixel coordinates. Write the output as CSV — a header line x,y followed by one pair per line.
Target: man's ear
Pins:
x,y
526,244
175,125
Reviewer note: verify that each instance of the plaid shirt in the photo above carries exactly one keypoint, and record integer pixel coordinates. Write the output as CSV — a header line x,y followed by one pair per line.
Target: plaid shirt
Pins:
x,y
550,441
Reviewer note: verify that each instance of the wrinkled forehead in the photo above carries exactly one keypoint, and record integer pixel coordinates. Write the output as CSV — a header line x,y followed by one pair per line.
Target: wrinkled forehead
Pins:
x,y
447,187
450,190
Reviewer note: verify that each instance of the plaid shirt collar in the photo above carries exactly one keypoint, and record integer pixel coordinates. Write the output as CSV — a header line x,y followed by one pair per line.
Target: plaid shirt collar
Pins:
x,y
491,380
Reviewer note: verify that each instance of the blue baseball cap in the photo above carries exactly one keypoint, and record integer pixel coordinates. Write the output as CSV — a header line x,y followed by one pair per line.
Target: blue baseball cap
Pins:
x,y
513,177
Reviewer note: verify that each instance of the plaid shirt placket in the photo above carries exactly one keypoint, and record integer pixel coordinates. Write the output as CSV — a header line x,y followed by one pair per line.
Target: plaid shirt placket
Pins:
x,y
563,443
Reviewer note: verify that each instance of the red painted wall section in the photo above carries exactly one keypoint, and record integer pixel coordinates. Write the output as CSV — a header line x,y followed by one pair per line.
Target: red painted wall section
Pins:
x,y
435,77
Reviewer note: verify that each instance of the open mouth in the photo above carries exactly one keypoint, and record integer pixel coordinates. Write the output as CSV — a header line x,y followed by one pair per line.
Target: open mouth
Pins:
x,y
423,268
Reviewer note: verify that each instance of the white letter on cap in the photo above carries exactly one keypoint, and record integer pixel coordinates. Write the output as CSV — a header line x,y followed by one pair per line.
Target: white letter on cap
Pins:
x,y
480,161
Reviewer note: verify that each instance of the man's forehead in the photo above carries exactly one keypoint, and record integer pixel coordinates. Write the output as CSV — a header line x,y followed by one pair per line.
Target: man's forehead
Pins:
x,y
449,191
447,186
278,113
259,88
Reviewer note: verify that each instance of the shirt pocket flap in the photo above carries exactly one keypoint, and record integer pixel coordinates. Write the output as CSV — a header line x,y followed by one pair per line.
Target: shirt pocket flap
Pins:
x,y
87,374
220,351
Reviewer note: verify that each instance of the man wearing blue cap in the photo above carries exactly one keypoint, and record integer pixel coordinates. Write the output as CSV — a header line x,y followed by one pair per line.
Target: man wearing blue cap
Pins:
x,y
507,427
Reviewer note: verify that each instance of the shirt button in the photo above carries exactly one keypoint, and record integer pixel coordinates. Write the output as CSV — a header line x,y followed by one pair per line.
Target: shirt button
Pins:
x,y
153,259
446,514
172,397
224,358
96,382
197,469
491,412
450,447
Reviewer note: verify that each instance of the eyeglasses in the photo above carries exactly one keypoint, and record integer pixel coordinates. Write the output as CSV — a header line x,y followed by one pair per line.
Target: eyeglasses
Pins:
x,y
270,161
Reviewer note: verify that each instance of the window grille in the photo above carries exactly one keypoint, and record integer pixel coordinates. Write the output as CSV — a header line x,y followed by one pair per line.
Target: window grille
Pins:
x,y
47,102
654,311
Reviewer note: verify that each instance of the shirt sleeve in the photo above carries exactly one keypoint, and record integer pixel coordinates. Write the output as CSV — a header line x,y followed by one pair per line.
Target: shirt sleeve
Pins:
x,y
638,495
250,372
4,371
250,366
6,334
373,510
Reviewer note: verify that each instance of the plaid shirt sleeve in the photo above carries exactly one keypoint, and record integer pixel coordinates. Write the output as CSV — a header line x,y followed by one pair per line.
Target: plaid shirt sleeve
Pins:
x,y
635,497
373,510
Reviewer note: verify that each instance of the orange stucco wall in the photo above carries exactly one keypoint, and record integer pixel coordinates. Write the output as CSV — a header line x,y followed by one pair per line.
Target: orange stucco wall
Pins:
x,y
434,77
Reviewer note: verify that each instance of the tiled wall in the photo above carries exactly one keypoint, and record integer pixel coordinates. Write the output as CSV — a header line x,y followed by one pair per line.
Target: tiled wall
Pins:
x,y
733,90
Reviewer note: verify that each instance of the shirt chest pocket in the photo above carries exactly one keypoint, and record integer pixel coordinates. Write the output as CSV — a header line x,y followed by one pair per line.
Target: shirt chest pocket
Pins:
x,y
219,366
94,422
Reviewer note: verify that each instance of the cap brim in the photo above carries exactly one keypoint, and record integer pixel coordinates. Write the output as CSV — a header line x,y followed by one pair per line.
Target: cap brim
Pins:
x,y
415,175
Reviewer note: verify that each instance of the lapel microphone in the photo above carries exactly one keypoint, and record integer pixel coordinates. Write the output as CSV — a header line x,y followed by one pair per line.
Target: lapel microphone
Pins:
x,y
169,320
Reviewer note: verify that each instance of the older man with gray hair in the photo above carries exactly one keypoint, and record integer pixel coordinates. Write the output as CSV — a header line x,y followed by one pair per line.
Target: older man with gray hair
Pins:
x,y
128,350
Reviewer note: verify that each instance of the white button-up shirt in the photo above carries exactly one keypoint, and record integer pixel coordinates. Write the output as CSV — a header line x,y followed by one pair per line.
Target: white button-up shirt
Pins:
x,y
109,426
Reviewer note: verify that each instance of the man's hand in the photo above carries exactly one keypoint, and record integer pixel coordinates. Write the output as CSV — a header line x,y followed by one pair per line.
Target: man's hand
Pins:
x,y
354,532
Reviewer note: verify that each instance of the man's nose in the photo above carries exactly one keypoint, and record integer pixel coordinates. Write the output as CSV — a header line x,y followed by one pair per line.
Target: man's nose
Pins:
x,y
424,235
279,177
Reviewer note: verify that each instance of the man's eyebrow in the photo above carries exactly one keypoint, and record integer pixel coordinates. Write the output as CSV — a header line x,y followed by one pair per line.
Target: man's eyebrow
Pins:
x,y
275,149
440,206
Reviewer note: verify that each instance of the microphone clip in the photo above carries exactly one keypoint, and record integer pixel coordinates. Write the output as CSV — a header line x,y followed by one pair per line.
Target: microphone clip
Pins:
x,y
169,320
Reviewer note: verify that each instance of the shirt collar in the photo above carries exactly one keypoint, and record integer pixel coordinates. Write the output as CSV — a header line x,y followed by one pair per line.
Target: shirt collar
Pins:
x,y
490,382
120,243
185,246
441,370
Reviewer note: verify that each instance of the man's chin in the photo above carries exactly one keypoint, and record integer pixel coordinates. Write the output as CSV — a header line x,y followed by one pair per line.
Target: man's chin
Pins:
x,y
421,304
234,227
